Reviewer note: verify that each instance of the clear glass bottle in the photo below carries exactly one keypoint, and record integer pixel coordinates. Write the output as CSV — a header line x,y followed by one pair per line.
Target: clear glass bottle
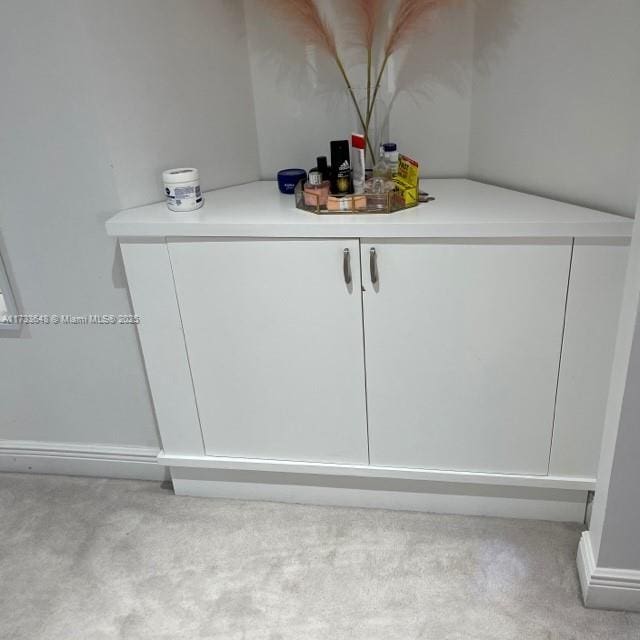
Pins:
x,y
391,155
390,150
382,168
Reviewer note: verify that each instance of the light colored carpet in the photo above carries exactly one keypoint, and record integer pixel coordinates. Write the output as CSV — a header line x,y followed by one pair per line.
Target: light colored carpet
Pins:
x,y
95,559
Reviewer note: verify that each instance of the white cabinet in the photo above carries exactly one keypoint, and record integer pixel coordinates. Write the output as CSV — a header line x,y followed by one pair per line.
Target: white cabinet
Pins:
x,y
463,341
462,349
273,332
469,374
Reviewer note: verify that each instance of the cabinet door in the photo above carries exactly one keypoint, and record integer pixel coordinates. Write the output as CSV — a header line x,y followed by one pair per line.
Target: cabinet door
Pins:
x,y
274,338
463,342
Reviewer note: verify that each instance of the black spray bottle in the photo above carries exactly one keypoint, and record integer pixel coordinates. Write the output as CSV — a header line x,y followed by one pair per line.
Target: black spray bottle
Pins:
x,y
341,183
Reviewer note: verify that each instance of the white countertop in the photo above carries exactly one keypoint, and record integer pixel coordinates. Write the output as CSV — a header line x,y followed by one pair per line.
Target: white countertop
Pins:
x,y
463,208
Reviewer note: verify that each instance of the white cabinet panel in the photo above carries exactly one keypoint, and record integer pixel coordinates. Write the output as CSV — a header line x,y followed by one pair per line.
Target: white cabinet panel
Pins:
x,y
591,327
274,339
154,300
463,343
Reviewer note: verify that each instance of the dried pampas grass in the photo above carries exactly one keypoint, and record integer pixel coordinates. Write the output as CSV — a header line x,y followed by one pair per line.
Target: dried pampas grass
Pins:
x,y
369,12
307,23
410,16
304,17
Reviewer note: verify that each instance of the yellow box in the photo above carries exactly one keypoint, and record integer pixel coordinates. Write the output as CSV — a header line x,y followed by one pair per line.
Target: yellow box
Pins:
x,y
407,179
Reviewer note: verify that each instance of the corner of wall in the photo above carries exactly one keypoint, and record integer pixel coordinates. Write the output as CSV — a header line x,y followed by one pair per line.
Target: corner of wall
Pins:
x,y
474,8
259,170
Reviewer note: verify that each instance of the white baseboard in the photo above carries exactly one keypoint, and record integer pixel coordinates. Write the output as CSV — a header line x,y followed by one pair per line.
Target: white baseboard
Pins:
x,y
434,497
375,471
103,461
605,588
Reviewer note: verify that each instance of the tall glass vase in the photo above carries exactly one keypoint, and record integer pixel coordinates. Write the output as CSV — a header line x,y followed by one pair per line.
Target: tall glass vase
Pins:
x,y
378,131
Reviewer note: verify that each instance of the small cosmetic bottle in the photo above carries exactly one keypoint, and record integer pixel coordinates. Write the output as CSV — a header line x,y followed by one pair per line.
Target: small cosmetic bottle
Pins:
x,y
316,190
391,156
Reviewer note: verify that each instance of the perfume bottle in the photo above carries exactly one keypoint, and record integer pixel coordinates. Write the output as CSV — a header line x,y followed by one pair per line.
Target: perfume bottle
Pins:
x,y
316,190
323,167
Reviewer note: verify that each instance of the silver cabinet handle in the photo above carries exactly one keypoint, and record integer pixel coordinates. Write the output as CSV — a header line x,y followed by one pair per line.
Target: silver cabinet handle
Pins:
x,y
346,266
373,265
